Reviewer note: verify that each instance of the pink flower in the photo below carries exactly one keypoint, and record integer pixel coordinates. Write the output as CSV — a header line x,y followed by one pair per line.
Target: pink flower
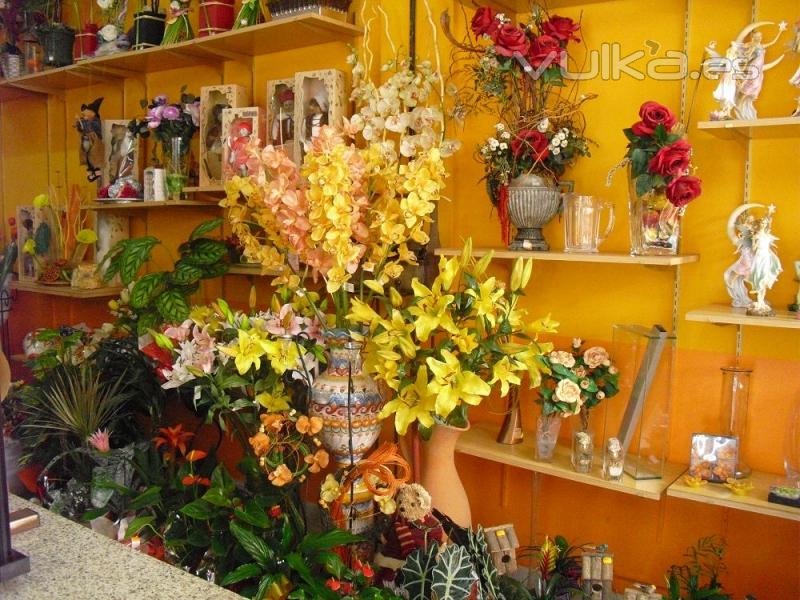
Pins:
x,y
179,333
171,113
595,356
100,441
193,110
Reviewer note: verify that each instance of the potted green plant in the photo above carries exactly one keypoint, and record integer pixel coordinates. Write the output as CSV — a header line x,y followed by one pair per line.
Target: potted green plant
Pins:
x,y
148,25
56,38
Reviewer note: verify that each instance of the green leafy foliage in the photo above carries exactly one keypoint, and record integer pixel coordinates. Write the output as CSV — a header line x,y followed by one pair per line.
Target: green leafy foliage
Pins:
x,y
453,576
698,579
417,573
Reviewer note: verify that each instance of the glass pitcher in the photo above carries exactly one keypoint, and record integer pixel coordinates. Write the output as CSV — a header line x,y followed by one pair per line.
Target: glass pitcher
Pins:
x,y
582,222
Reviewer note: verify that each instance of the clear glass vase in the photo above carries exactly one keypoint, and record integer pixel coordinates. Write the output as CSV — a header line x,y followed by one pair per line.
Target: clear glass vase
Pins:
x,y
547,428
177,162
655,223
733,408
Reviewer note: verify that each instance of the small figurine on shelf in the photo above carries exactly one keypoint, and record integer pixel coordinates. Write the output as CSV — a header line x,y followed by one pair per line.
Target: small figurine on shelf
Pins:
x,y
414,527
582,451
178,27
742,69
90,129
758,265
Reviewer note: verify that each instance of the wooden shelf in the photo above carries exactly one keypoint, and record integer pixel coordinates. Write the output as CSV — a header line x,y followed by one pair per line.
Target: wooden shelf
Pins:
x,y
64,290
206,189
721,314
242,44
773,127
148,205
480,441
251,270
600,257
718,495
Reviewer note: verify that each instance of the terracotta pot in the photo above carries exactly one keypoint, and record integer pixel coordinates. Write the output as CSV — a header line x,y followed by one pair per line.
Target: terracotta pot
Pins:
x,y
216,16
440,477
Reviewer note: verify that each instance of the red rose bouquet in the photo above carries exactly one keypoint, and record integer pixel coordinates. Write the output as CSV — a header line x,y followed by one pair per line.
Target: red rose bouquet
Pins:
x,y
516,71
661,180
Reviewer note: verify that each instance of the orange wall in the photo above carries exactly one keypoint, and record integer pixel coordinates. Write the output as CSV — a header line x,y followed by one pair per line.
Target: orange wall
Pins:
x,y
646,536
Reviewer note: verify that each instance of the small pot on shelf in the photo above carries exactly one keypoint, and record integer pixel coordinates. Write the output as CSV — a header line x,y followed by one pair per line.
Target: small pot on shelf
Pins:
x,y
57,42
216,16
532,204
147,30
85,42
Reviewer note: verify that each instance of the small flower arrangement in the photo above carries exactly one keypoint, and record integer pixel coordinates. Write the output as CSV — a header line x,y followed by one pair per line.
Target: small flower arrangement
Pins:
x,y
449,345
660,157
166,120
577,380
515,71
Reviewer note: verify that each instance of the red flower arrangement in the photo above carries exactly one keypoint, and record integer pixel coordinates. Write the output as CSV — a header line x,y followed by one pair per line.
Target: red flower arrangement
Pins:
x,y
659,156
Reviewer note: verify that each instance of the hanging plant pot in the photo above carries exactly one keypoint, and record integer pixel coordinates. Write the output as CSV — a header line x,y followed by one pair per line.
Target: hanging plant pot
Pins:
x,y
216,16
85,42
147,30
57,42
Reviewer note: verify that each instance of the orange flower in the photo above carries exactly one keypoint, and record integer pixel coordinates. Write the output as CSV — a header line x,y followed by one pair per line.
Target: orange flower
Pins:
x,y
175,438
195,455
272,421
308,426
318,461
280,476
194,479
260,443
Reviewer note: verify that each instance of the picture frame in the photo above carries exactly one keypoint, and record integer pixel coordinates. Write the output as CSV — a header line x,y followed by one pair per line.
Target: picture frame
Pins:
x,y
120,152
239,125
714,457
26,228
214,99
281,124
320,100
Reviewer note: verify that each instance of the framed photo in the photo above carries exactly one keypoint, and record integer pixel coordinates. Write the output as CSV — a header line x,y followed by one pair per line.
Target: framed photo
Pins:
x,y
239,126
280,114
213,100
121,150
319,100
26,229
714,457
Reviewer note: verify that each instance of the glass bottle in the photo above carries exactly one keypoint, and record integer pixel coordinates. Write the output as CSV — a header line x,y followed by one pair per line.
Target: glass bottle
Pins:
x,y
733,409
177,167
613,460
582,451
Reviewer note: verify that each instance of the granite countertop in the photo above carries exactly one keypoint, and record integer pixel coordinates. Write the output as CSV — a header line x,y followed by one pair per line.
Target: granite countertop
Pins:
x,y
69,561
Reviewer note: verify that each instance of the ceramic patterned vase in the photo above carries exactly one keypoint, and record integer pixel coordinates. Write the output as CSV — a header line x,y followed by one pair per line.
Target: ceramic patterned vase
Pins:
x,y
532,204
350,420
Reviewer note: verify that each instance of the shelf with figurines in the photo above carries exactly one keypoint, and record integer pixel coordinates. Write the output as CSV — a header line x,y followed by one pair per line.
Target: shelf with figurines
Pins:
x,y
752,275
278,35
561,256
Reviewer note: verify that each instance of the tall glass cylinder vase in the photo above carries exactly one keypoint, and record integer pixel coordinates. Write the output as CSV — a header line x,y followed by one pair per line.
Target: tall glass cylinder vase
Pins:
x,y
176,155
655,223
547,428
733,408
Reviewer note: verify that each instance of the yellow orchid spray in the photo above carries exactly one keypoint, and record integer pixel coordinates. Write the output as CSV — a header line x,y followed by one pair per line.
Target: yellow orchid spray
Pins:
x,y
448,346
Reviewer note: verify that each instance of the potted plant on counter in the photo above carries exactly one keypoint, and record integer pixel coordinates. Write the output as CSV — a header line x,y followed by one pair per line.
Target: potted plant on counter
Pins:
x,y
56,38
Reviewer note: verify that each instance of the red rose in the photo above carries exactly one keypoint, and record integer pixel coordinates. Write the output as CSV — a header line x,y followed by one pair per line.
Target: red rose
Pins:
x,y
653,114
545,48
561,28
672,160
485,22
683,190
511,39
530,141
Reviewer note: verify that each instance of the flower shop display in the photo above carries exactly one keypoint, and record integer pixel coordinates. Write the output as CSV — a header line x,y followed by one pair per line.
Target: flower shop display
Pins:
x,y
148,25
90,128
111,36
320,101
177,27
446,347
172,125
741,71
758,265
60,239
216,16
576,381
660,180
515,72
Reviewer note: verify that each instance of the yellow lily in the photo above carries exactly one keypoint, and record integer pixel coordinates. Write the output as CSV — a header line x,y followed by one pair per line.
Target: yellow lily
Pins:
x,y
448,269
431,311
247,352
283,355
504,372
489,292
453,386
276,402
415,402
361,312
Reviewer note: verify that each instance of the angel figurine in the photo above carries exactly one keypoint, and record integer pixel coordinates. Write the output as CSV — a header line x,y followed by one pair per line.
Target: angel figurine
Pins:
x,y
762,265
743,68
